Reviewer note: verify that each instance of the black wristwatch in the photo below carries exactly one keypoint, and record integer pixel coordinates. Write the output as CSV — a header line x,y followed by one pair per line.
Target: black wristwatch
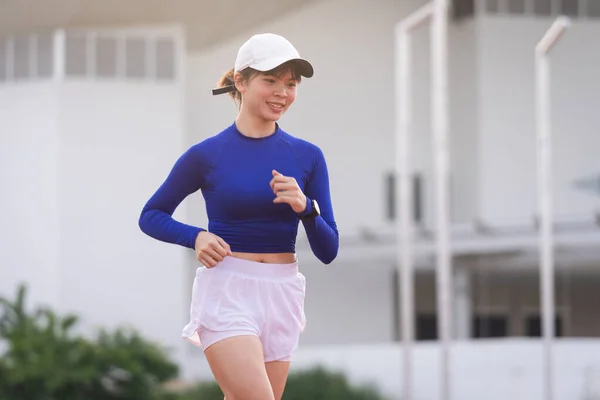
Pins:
x,y
314,213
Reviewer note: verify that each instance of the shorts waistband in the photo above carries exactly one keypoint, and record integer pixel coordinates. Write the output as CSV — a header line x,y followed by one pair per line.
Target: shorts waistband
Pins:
x,y
256,269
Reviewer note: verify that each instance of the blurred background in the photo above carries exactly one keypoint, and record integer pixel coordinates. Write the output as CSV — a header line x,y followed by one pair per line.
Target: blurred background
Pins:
x,y
98,100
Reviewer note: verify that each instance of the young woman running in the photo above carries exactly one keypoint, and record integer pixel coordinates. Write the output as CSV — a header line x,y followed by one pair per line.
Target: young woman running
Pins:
x,y
258,182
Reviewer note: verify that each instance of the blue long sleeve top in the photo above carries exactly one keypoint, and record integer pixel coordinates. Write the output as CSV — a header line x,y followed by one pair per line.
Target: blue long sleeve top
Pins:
x,y
233,172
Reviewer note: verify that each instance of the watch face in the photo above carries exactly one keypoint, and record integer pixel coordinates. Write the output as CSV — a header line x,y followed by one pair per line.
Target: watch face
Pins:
x,y
316,207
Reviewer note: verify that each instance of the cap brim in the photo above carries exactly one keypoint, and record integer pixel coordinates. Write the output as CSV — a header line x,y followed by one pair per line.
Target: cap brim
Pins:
x,y
306,68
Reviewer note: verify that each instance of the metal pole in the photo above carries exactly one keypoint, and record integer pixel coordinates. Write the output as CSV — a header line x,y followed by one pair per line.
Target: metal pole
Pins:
x,y
404,225
544,151
404,222
440,122
405,228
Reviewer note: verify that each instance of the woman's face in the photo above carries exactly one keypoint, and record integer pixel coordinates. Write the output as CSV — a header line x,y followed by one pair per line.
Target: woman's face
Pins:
x,y
268,96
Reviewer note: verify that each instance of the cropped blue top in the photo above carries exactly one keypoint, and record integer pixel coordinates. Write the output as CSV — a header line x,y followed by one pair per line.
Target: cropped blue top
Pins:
x,y
233,172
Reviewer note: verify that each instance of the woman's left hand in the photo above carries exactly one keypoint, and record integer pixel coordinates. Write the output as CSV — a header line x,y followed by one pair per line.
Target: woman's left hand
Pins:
x,y
287,191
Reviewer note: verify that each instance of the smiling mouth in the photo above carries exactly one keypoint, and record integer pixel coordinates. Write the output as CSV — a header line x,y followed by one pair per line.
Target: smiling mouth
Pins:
x,y
276,106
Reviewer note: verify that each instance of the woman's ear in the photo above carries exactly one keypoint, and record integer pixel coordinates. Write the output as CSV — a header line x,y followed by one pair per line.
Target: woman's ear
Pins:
x,y
240,85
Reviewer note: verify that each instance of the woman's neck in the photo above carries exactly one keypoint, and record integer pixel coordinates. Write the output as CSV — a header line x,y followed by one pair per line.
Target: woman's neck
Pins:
x,y
254,127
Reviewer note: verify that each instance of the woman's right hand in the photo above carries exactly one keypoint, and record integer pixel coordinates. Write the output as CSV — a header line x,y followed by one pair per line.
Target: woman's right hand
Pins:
x,y
210,249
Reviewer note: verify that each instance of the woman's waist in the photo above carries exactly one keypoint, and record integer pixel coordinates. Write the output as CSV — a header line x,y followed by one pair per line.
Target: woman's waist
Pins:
x,y
267,258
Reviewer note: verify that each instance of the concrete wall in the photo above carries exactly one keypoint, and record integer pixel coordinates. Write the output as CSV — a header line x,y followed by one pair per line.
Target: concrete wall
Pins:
x,y
507,153
29,176
114,153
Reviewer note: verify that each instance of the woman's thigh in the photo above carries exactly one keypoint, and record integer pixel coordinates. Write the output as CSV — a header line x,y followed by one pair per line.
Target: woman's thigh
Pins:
x,y
277,371
238,366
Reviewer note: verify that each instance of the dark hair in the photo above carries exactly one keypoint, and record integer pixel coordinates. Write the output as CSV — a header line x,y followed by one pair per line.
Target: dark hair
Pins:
x,y
227,82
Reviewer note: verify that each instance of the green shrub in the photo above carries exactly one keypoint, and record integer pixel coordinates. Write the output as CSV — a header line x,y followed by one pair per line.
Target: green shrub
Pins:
x,y
202,391
320,384
45,361
312,384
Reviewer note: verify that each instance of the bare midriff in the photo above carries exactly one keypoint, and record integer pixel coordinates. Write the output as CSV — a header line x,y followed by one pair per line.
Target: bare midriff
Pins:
x,y
267,258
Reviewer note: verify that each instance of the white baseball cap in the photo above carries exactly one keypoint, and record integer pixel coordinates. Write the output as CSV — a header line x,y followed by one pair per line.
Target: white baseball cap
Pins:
x,y
266,51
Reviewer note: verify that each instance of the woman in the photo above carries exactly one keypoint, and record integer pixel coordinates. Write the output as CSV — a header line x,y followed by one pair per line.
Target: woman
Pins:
x,y
258,183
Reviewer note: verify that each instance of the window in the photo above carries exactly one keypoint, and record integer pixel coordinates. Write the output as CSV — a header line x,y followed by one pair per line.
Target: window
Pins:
x,y
165,56
106,57
516,6
593,8
490,326
570,7
26,57
21,60
492,6
426,327
391,201
463,8
75,53
113,55
135,58
425,323
3,60
45,55
542,8
533,326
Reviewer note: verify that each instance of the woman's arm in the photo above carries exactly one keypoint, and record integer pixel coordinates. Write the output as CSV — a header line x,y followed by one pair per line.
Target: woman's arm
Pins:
x,y
321,230
185,178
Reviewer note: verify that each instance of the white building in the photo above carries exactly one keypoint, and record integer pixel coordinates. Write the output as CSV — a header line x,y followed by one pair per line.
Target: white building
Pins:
x,y
97,102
